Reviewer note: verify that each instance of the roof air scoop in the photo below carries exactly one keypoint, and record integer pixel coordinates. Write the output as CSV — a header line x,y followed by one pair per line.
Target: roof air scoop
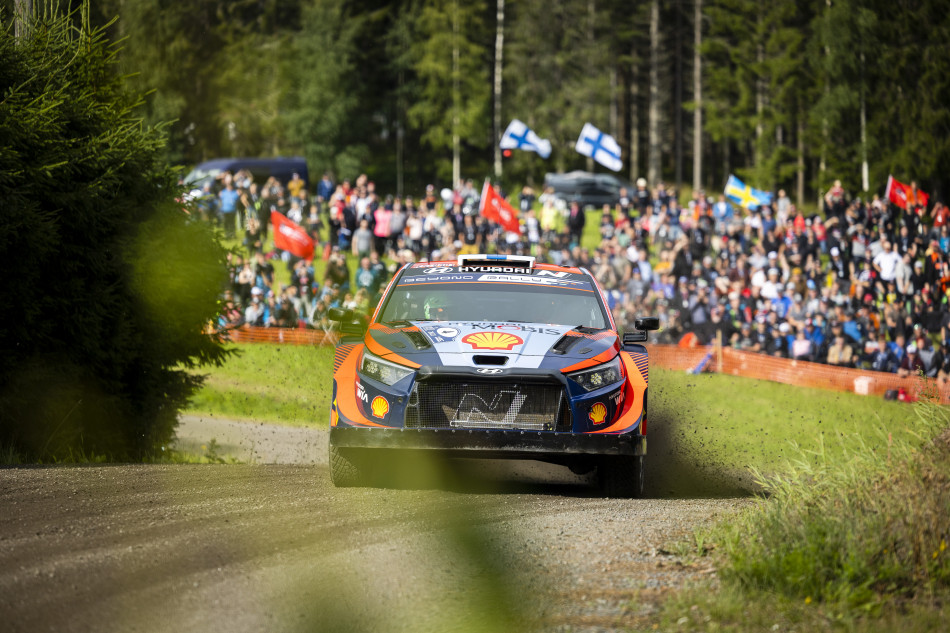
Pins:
x,y
509,261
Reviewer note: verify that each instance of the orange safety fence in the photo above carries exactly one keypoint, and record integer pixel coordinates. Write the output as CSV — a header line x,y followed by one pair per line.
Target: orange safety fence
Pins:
x,y
721,360
795,372
287,336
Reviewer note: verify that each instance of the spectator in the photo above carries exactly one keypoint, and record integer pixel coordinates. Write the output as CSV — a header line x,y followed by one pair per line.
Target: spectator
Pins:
x,y
575,222
840,353
362,240
228,203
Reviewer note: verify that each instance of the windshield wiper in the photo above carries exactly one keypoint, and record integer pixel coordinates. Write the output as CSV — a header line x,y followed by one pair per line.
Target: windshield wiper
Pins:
x,y
398,323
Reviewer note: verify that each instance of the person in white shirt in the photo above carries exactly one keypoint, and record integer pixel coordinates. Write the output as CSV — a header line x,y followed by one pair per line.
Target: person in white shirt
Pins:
x,y
886,261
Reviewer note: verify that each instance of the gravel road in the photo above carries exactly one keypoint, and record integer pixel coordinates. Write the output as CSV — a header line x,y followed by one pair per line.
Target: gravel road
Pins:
x,y
271,545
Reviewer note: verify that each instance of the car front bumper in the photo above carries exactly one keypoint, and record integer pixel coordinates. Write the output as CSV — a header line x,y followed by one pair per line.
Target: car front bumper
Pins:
x,y
493,443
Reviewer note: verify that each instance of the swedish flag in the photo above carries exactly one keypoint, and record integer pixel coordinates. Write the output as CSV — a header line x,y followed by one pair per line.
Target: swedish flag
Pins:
x,y
744,195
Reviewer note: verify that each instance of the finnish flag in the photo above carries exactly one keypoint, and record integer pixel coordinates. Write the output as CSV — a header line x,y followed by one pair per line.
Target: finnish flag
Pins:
x,y
601,147
520,136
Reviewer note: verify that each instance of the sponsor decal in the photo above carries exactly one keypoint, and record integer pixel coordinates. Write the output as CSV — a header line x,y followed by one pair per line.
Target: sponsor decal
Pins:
x,y
380,407
501,412
552,273
532,280
493,340
494,269
518,328
489,371
598,413
361,393
617,397
435,279
437,271
440,333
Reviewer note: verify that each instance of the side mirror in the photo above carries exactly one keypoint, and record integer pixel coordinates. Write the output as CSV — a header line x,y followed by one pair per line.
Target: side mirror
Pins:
x,y
647,323
642,325
340,314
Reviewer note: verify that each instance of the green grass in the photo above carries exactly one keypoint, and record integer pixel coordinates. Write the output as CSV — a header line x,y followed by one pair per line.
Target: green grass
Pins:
x,y
741,422
851,535
286,384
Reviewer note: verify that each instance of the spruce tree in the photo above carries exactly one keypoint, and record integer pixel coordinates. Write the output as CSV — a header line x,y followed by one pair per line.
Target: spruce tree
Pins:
x,y
107,284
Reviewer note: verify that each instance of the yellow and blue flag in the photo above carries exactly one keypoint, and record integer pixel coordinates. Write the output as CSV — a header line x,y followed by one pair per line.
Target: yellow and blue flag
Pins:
x,y
744,195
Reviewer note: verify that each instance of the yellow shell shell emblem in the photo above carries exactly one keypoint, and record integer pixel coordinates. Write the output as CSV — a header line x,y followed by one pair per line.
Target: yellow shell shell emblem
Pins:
x,y
380,407
492,340
598,413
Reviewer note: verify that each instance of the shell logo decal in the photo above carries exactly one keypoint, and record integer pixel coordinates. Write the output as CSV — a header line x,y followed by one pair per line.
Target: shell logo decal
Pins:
x,y
598,413
493,340
380,407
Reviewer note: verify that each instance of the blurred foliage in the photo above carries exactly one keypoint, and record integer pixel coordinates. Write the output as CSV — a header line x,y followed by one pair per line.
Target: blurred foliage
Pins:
x,y
107,284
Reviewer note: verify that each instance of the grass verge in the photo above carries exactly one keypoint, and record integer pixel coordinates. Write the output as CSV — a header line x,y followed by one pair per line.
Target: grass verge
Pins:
x,y
286,384
850,539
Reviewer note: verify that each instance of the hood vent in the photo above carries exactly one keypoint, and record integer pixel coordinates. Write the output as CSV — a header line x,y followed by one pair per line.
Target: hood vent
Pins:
x,y
489,359
418,339
565,343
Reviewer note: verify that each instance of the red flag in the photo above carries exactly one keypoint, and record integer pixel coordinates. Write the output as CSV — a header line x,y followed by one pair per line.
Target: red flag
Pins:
x,y
904,195
290,236
497,209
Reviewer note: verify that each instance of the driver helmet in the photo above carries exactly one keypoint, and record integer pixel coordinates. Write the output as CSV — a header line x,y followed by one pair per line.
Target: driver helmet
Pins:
x,y
435,307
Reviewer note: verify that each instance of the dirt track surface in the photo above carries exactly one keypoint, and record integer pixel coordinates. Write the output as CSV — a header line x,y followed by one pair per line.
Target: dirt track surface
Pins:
x,y
275,547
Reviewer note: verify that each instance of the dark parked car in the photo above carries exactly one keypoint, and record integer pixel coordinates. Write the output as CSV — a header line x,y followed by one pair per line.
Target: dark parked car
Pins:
x,y
282,168
589,189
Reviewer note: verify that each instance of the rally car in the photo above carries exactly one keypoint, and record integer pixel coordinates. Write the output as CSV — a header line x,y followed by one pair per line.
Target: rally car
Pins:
x,y
492,356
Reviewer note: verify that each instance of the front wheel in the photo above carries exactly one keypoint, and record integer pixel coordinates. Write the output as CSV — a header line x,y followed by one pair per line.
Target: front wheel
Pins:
x,y
346,468
621,476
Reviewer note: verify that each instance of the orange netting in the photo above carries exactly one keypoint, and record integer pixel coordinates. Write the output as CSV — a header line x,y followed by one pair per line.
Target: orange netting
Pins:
x,y
287,336
725,360
794,372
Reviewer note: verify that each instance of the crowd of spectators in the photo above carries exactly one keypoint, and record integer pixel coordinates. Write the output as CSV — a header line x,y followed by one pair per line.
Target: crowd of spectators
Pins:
x,y
863,283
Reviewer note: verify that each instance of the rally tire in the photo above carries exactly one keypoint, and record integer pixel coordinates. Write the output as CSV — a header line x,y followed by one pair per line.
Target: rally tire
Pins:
x,y
346,468
621,476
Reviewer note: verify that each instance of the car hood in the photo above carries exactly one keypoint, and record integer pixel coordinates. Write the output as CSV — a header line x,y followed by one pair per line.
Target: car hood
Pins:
x,y
478,344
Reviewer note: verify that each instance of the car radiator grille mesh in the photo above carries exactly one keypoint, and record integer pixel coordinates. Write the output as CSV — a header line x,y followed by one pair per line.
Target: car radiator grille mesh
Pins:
x,y
488,405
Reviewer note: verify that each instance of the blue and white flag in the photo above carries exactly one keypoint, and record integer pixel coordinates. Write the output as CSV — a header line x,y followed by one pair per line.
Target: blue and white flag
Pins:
x,y
744,195
601,147
520,136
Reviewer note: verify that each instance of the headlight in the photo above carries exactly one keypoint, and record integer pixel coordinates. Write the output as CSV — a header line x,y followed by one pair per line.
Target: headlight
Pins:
x,y
382,370
599,376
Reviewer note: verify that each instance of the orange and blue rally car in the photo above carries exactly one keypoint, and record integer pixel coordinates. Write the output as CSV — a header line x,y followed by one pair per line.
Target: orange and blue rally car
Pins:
x,y
492,356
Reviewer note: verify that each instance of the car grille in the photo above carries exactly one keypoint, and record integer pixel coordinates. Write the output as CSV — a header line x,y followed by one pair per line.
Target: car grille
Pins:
x,y
488,405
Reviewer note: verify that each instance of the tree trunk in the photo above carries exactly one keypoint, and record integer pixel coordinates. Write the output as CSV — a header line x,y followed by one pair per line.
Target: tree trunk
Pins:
x,y
678,107
634,115
697,96
499,51
591,17
456,99
759,108
653,159
22,15
400,133
865,177
800,185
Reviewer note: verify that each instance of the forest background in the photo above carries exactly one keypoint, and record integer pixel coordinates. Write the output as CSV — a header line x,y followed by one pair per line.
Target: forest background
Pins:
x,y
786,94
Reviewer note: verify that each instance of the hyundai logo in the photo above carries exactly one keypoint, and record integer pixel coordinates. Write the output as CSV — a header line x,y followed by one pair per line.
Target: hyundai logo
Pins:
x,y
490,371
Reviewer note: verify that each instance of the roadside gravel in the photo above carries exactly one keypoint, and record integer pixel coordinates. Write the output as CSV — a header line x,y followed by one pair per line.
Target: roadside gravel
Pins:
x,y
272,545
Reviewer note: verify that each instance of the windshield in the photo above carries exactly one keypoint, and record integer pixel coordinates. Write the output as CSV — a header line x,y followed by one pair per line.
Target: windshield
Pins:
x,y
198,177
494,302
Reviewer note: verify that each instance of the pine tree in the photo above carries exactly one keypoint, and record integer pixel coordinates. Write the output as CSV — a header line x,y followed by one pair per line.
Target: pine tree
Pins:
x,y
108,286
